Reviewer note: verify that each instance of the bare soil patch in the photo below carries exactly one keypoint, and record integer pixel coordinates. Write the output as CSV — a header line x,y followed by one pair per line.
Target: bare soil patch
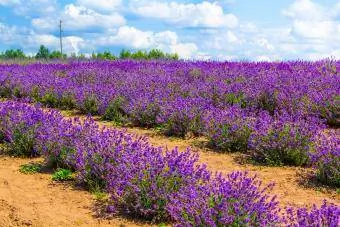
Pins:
x,y
34,200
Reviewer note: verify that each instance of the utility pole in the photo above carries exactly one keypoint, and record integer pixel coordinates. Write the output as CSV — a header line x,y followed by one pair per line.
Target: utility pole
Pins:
x,y
61,38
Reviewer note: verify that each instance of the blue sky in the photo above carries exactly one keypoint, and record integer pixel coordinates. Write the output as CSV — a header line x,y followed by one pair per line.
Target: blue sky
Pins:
x,y
224,30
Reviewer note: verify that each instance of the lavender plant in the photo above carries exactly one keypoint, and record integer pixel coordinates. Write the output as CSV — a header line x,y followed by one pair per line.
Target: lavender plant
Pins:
x,y
325,158
327,215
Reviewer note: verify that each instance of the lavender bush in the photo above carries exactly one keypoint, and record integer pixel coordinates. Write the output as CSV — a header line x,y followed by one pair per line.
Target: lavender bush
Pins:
x,y
237,200
228,130
283,140
327,215
325,158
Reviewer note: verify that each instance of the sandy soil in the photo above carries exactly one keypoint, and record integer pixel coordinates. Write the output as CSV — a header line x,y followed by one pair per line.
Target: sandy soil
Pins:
x,y
34,200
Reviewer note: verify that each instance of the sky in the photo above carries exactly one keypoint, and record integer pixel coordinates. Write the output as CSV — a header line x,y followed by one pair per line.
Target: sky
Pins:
x,y
259,30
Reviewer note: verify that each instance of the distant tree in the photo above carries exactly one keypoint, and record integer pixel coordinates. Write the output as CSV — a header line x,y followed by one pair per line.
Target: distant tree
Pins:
x,y
43,52
94,55
106,55
13,53
57,54
172,56
81,56
139,55
124,54
156,54
109,56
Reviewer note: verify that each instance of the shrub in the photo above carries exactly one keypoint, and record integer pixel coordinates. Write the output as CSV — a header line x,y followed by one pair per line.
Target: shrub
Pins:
x,y
35,94
146,188
325,158
228,130
19,129
21,144
17,92
5,92
50,99
327,215
331,112
282,141
181,118
237,200
67,102
144,114
268,101
115,111
90,105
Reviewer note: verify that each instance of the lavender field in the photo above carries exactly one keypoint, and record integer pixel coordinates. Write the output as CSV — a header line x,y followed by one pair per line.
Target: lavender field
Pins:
x,y
275,114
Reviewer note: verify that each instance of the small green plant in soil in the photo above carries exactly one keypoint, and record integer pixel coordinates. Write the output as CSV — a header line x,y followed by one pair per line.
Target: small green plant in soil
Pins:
x,y
30,168
62,175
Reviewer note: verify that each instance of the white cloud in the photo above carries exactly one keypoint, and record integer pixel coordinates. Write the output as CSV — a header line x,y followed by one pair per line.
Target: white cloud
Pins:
x,y
262,42
131,37
100,5
9,2
306,10
7,33
204,14
263,58
78,18
314,21
34,7
314,30
71,44
249,27
184,50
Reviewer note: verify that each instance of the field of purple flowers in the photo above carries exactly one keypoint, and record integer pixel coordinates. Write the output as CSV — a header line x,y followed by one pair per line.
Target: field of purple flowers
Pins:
x,y
277,113
148,182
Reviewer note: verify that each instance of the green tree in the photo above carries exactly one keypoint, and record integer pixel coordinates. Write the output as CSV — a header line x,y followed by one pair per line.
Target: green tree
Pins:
x,y
172,56
43,52
156,54
56,54
13,53
124,54
139,55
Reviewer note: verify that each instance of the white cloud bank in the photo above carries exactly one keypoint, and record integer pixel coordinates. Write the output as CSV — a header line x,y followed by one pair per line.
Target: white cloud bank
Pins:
x,y
204,14
137,39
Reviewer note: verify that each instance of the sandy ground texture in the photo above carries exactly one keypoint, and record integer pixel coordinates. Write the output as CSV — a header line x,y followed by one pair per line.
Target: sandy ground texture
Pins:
x,y
34,200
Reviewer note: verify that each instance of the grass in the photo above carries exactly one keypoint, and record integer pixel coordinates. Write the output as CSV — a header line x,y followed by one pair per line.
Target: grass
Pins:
x,y
62,175
100,196
30,168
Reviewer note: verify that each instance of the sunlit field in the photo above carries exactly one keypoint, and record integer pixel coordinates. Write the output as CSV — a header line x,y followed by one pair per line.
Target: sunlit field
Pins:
x,y
90,121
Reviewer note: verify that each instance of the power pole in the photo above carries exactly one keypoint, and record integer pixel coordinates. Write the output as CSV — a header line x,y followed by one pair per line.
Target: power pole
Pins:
x,y
61,38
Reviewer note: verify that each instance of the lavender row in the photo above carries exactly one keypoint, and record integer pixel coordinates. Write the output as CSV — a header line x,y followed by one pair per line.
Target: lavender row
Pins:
x,y
148,182
275,112
159,89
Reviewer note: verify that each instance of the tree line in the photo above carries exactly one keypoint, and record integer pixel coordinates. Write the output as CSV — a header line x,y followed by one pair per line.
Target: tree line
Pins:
x,y
45,53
